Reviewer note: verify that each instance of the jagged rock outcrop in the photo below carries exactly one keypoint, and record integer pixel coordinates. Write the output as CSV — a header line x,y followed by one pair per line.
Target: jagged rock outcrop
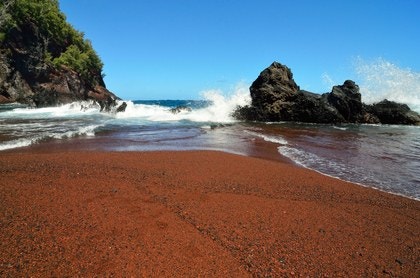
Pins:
x,y
37,67
274,84
276,97
390,112
347,100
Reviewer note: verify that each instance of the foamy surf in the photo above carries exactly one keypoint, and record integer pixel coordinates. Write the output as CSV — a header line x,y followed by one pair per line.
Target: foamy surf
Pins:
x,y
384,157
19,143
219,109
340,171
34,136
23,126
269,138
349,152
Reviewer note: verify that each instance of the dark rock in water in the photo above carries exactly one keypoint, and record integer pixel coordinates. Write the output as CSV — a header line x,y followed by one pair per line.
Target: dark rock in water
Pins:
x,y
369,118
271,93
215,126
347,100
277,97
390,112
103,97
180,108
274,84
122,107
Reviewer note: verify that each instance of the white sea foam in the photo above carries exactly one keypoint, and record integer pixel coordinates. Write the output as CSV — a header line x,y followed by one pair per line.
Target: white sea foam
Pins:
x,y
219,111
299,156
28,126
269,138
19,143
223,106
88,131
143,111
41,133
381,79
339,127
340,171
74,109
315,162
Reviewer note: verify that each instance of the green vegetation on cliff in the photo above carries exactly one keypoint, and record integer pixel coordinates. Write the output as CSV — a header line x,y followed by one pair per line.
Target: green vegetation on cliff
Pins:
x,y
58,43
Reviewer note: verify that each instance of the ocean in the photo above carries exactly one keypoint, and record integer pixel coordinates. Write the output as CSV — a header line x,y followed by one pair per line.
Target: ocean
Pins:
x,y
386,157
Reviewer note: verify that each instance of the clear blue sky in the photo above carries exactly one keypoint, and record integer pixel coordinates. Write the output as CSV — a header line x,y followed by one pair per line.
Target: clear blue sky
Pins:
x,y
163,49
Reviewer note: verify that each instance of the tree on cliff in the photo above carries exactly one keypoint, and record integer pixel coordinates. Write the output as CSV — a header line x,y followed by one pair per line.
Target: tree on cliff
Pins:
x,y
3,10
44,61
62,45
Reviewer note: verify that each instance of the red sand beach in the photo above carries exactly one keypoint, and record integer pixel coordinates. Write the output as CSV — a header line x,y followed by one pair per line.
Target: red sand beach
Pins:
x,y
195,213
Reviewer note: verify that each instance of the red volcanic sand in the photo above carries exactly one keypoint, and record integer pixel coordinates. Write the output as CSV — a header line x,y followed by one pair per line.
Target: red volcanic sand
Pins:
x,y
195,213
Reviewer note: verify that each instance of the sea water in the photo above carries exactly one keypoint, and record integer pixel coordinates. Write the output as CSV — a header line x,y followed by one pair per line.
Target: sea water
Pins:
x,y
386,157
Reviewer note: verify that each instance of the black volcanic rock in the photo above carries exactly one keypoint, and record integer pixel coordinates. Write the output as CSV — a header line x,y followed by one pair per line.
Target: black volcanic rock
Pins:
x,y
272,90
274,84
277,97
122,107
390,112
347,100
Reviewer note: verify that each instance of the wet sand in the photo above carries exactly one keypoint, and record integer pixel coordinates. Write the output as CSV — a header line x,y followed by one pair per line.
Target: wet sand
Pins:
x,y
195,213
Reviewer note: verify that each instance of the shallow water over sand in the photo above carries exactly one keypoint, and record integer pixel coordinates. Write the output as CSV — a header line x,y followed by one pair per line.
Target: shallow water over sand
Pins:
x,y
381,156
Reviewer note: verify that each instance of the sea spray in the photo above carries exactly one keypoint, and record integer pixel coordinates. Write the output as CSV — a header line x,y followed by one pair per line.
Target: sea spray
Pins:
x,y
222,106
381,79
71,110
20,126
215,107
351,152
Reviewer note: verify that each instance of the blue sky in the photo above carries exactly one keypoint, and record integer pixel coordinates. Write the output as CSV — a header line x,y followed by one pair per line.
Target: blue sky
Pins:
x,y
158,49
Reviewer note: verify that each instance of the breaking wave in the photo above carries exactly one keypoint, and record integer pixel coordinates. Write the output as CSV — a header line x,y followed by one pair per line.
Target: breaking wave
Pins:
x,y
380,79
218,108
40,136
21,126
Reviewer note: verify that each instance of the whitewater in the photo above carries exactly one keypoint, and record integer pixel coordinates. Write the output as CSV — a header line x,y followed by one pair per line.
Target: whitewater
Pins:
x,y
22,126
379,156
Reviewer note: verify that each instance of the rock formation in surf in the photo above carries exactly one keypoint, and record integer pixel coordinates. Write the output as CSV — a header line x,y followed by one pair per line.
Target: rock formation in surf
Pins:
x,y
44,61
276,97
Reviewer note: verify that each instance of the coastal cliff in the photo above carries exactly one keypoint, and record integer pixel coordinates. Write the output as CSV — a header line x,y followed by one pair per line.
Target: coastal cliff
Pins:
x,y
277,97
44,61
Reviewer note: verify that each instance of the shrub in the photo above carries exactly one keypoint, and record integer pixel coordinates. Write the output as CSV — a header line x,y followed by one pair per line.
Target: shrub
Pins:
x,y
63,44
86,63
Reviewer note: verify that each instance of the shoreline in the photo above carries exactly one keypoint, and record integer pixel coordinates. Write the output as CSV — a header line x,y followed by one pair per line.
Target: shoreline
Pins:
x,y
356,183
195,213
262,149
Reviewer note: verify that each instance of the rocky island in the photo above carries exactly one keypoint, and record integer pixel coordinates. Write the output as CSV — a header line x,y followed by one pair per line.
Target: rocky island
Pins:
x,y
44,61
277,97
